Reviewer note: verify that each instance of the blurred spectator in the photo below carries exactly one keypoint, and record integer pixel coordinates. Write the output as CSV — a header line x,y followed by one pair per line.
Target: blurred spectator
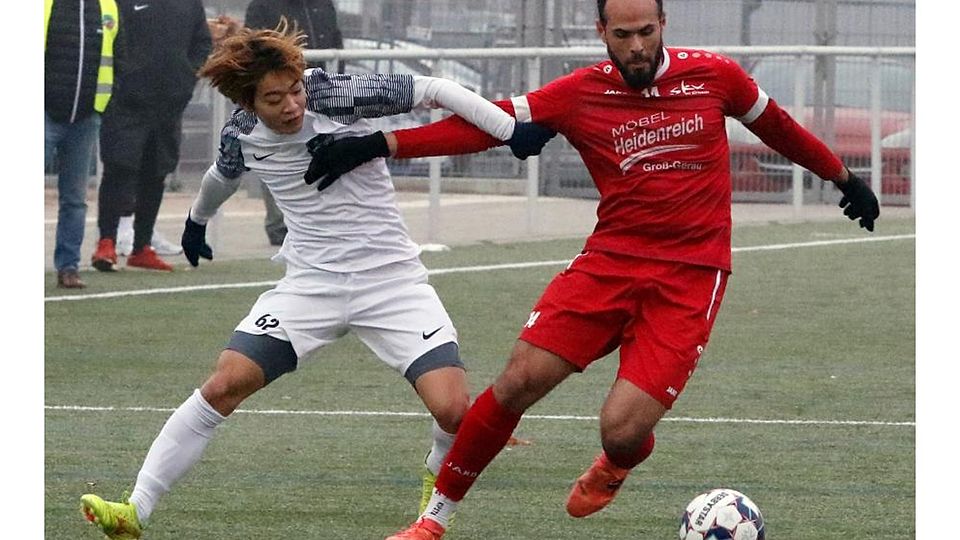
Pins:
x,y
161,46
78,78
220,27
318,20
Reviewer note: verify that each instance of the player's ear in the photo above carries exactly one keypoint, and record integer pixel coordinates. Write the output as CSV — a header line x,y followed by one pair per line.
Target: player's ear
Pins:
x,y
600,31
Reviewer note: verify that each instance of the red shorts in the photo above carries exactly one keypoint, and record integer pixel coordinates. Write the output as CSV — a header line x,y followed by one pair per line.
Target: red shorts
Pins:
x,y
659,313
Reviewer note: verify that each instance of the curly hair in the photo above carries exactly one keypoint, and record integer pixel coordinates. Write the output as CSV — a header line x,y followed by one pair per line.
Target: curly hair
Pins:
x,y
239,62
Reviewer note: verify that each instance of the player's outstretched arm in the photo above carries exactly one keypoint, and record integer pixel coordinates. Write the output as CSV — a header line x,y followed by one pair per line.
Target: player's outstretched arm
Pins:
x,y
451,136
454,136
781,132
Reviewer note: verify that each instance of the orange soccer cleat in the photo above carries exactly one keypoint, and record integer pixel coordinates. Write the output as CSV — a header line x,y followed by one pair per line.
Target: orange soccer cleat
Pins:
x,y
422,529
105,257
148,259
595,488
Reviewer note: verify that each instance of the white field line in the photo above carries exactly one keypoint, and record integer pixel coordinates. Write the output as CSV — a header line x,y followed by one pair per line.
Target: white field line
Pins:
x,y
403,205
557,417
461,269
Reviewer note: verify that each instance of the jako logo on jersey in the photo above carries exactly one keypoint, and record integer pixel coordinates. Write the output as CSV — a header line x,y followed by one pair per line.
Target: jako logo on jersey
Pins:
x,y
614,93
461,472
689,89
534,315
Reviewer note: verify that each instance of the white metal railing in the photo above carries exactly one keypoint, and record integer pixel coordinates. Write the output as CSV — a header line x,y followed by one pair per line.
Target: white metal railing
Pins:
x,y
534,56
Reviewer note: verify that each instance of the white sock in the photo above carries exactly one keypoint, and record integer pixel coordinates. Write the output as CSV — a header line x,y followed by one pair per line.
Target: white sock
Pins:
x,y
175,451
441,509
125,224
442,441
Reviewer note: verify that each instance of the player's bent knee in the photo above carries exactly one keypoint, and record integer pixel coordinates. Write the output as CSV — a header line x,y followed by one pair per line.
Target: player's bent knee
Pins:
x,y
235,378
449,413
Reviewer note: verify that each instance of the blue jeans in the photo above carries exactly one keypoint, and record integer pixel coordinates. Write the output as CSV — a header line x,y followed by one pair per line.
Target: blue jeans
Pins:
x,y
73,145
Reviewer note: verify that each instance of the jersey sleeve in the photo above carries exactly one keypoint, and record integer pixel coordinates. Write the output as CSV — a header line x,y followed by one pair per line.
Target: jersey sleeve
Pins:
x,y
433,92
230,157
781,132
215,189
347,98
749,104
743,99
448,137
552,105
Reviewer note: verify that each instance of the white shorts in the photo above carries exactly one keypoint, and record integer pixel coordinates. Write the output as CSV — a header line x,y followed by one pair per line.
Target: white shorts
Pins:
x,y
392,310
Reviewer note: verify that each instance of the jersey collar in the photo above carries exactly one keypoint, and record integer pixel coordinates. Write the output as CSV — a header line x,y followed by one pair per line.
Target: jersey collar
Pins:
x,y
664,65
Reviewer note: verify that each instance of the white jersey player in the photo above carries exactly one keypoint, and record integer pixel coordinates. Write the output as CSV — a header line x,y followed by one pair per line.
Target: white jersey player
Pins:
x,y
350,262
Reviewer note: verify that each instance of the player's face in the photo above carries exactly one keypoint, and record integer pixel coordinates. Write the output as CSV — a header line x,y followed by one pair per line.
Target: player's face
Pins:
x,y
280,101
633,35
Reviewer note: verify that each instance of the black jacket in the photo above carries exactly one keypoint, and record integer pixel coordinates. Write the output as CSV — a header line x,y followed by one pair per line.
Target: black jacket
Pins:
x,y
62,60
316,18
160,47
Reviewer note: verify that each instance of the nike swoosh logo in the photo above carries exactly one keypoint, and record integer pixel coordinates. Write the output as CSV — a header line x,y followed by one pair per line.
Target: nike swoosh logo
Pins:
x,y
139,7
430,335
261,158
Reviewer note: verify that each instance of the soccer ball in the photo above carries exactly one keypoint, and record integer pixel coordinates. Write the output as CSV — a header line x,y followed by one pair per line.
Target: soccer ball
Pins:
x,y
721,514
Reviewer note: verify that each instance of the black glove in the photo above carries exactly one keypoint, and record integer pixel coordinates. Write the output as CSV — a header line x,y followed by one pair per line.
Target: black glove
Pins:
x,y
858,201
528,139
194,242
332,158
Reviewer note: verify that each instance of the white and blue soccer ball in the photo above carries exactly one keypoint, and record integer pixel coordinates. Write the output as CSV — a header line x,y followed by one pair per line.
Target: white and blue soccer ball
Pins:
x,y
721,514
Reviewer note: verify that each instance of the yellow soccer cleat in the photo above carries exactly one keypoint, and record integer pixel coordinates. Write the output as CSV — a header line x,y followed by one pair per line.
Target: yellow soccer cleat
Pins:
x,y
426,490
118,521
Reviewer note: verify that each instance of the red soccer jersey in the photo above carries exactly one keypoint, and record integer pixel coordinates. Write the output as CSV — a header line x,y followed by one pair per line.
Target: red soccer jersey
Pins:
x,y
658,155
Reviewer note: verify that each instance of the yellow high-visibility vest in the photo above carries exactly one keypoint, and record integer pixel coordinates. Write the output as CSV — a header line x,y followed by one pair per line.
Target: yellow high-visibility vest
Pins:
x,y
109,21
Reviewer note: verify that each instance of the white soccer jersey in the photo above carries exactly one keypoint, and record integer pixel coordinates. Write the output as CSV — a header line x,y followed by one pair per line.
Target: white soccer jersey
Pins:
x,y
355,223
352,225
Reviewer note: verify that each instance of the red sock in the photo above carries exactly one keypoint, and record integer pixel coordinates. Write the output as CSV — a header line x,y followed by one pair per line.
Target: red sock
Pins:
x,y
484,432
631,461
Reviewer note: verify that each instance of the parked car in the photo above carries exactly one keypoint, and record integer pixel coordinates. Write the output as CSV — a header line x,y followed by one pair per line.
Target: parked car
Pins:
x,y
759,173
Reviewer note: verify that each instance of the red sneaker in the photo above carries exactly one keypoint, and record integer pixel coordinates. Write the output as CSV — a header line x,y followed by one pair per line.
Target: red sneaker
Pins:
x,y
595,488
422,529
105,257
148,259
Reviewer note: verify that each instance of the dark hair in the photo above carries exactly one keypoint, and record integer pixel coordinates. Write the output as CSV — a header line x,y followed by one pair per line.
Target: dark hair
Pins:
x,y
602,5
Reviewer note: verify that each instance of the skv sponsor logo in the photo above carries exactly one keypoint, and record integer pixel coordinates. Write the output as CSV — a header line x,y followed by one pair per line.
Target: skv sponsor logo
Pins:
x,y
689,89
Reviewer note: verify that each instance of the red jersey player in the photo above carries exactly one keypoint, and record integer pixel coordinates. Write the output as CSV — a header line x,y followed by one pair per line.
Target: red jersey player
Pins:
x,y
649,125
